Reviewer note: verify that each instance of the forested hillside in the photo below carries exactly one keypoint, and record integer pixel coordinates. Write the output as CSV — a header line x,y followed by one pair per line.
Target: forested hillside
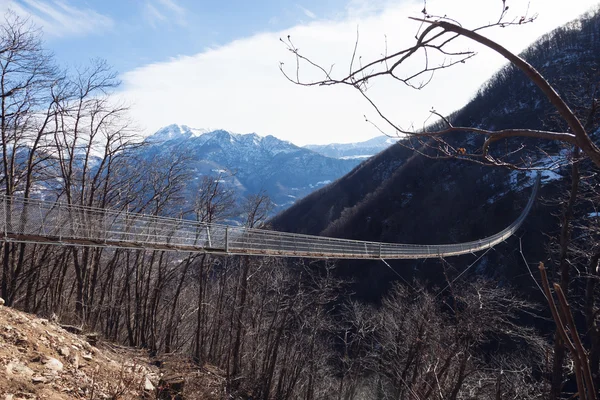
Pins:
x,y
416,197
402,197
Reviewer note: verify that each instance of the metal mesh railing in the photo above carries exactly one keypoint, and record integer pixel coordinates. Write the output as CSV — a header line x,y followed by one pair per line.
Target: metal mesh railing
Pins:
x,y
27,220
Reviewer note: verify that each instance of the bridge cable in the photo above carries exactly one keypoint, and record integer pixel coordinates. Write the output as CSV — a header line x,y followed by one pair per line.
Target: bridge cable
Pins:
x,y
462,273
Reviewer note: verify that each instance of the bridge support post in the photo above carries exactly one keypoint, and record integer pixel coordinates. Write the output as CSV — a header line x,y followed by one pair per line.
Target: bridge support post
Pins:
x,y
4,201
59,225
208,235
379,250
42,219
104,226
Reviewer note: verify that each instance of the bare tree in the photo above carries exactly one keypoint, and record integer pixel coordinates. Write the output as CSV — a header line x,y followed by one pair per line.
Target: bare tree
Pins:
x,y
27,77
436,35
92,134
255,209
419,346
214,203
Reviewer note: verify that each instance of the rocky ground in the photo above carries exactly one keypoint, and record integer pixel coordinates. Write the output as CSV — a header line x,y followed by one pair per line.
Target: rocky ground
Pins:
x,y
40,359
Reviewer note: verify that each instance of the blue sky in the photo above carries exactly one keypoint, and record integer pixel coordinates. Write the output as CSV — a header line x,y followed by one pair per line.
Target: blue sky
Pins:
x,y
214,64
131,33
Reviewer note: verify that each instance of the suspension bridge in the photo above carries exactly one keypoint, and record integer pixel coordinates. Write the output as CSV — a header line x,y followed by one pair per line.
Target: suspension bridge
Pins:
x,y
35,221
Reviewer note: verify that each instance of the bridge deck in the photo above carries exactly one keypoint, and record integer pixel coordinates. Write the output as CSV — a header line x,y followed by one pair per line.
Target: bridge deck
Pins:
x,y
35,221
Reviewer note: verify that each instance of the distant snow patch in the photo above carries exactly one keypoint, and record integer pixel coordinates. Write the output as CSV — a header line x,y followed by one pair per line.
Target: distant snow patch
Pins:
x,y
520,180
197,132
359,157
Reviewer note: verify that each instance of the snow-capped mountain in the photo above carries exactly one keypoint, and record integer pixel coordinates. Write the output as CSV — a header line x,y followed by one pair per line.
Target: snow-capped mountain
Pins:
x,y
360,150
175,132
249,162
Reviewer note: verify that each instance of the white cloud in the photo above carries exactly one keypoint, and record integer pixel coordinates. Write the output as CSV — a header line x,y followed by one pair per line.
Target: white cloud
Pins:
x,y
239,87
59,18
152,15
173,6
273,20
362,8
164,11
307,12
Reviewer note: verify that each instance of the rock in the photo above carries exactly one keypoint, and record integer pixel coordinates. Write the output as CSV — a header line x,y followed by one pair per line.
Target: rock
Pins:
x,y
1,301
87,356
21,341
75,361
18,368
53,365
39,379
148,386
92,338
170,387
8,397
64,351
157,363
71,329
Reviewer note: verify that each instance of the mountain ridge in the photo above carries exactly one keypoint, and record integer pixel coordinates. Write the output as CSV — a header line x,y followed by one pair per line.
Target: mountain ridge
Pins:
x,y
362,149
400,196
248,162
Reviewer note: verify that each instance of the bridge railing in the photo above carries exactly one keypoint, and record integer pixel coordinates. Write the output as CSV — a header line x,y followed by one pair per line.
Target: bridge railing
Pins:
x,y
29,220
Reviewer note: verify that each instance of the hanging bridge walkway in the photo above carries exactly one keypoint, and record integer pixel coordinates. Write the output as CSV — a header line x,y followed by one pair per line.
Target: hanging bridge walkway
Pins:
x,y
35,221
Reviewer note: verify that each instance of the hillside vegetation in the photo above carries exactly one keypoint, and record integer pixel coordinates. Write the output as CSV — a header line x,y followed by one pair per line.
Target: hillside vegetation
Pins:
x,y
399,196
425,199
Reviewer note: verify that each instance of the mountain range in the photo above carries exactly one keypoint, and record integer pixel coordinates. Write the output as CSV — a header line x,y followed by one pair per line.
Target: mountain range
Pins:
x,y
361,150
251,163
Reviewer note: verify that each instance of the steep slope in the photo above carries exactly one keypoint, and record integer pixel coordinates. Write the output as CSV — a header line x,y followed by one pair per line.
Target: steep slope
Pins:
x,y
398,196
40,359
